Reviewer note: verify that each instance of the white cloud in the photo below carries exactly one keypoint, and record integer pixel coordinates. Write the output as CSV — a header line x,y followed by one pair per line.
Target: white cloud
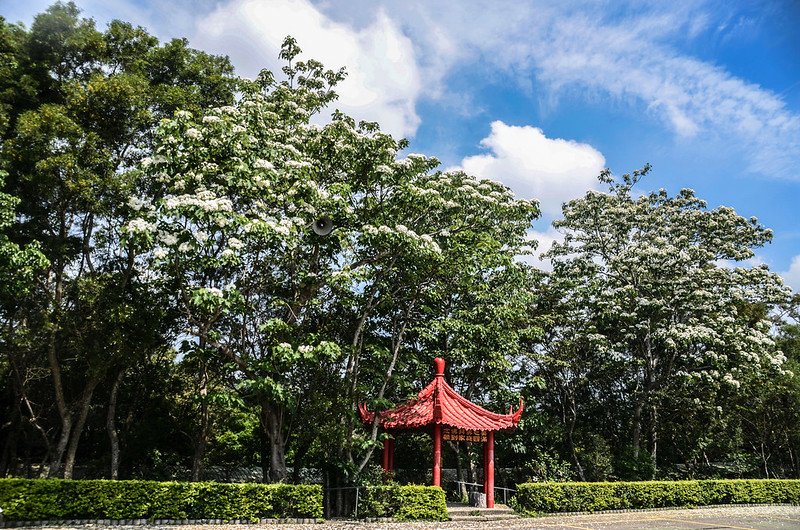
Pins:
x,y
792,276
398,52
629,59
551,170
383,82
609,53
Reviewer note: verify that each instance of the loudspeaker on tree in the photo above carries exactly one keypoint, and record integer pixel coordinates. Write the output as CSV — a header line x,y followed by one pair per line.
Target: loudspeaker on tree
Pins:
x,y
322,226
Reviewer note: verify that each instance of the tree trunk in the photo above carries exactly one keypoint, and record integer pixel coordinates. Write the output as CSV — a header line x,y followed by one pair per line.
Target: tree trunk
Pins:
x,y
55,368
21,394
86,400
637,429
462,488
33,420
272,428
570,428
201,440
651,399
398,333
300,453
471,468
788,448
263,449
575,460
653,440
61,448
111,425
277,457
340,508
61,404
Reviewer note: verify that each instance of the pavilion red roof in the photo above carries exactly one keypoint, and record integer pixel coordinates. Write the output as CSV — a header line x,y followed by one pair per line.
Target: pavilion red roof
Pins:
x,y
439,403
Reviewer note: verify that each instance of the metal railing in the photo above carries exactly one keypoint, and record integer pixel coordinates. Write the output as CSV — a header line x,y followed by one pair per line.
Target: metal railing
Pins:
x,y
507,493
474,486
342,502
469,486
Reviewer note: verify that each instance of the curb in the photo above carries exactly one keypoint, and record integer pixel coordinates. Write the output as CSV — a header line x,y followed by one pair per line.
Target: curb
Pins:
x,y
155,522
659,509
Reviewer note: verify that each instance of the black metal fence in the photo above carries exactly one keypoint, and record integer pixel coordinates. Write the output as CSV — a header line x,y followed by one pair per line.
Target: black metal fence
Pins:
x,y
341,503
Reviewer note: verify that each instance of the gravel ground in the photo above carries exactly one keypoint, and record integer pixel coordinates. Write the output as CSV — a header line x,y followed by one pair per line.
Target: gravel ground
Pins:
x,y
739,518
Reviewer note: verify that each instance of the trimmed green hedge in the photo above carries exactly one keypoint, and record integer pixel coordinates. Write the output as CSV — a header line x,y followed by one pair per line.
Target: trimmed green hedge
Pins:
x,y
36,500
549,497
404,503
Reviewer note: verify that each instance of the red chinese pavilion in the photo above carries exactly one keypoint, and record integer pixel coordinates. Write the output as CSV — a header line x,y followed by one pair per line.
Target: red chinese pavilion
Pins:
x,y
453,418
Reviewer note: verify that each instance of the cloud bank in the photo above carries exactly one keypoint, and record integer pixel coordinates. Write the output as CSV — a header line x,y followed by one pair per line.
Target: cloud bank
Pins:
x,y
401,52
630,52
792,276
552,170
383,82
635,59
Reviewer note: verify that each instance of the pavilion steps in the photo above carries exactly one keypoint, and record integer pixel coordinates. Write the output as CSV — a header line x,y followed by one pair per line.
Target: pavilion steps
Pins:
x,y
465,512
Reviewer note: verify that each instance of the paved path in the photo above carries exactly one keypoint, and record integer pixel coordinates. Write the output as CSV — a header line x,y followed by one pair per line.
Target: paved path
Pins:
x,y
732,517
739,518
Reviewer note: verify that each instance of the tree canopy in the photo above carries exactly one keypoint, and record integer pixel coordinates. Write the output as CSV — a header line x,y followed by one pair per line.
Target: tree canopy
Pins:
x,y
169,311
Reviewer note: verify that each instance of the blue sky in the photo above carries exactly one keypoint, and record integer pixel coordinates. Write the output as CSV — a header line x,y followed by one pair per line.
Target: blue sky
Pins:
x,y
542,95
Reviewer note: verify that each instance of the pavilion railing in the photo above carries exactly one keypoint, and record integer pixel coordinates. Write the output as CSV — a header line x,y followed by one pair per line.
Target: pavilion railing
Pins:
x,y
342,502
468,486
505,493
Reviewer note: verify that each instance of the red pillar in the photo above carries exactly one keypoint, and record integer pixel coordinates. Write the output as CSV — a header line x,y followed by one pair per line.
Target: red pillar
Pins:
x,y
485,466
387,444
490,470
437,454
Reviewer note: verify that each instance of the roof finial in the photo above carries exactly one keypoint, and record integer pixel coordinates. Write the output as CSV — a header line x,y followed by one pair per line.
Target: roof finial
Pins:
x,y
438,365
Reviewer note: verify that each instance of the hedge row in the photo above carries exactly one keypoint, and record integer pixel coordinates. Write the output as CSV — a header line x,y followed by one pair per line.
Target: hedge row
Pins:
x,y
36,500
404,503
596,496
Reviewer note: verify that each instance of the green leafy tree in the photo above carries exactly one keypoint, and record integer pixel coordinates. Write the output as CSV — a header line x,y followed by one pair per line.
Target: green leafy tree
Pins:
x,y
77,109
18,268
18,265
478,320
766,413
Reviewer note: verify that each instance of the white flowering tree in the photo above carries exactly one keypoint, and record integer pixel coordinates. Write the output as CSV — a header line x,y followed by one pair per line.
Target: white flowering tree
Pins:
x,y
644,280
423,304
230,231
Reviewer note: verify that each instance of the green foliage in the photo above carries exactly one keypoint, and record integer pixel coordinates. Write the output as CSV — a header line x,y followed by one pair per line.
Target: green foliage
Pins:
x,y
148,194
404,503
543,466
236,189
597,496
17,264
33,500
78,105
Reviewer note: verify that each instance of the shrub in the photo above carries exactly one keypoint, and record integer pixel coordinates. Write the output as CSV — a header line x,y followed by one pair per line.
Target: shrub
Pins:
x,y
404,503
33,500
596,496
